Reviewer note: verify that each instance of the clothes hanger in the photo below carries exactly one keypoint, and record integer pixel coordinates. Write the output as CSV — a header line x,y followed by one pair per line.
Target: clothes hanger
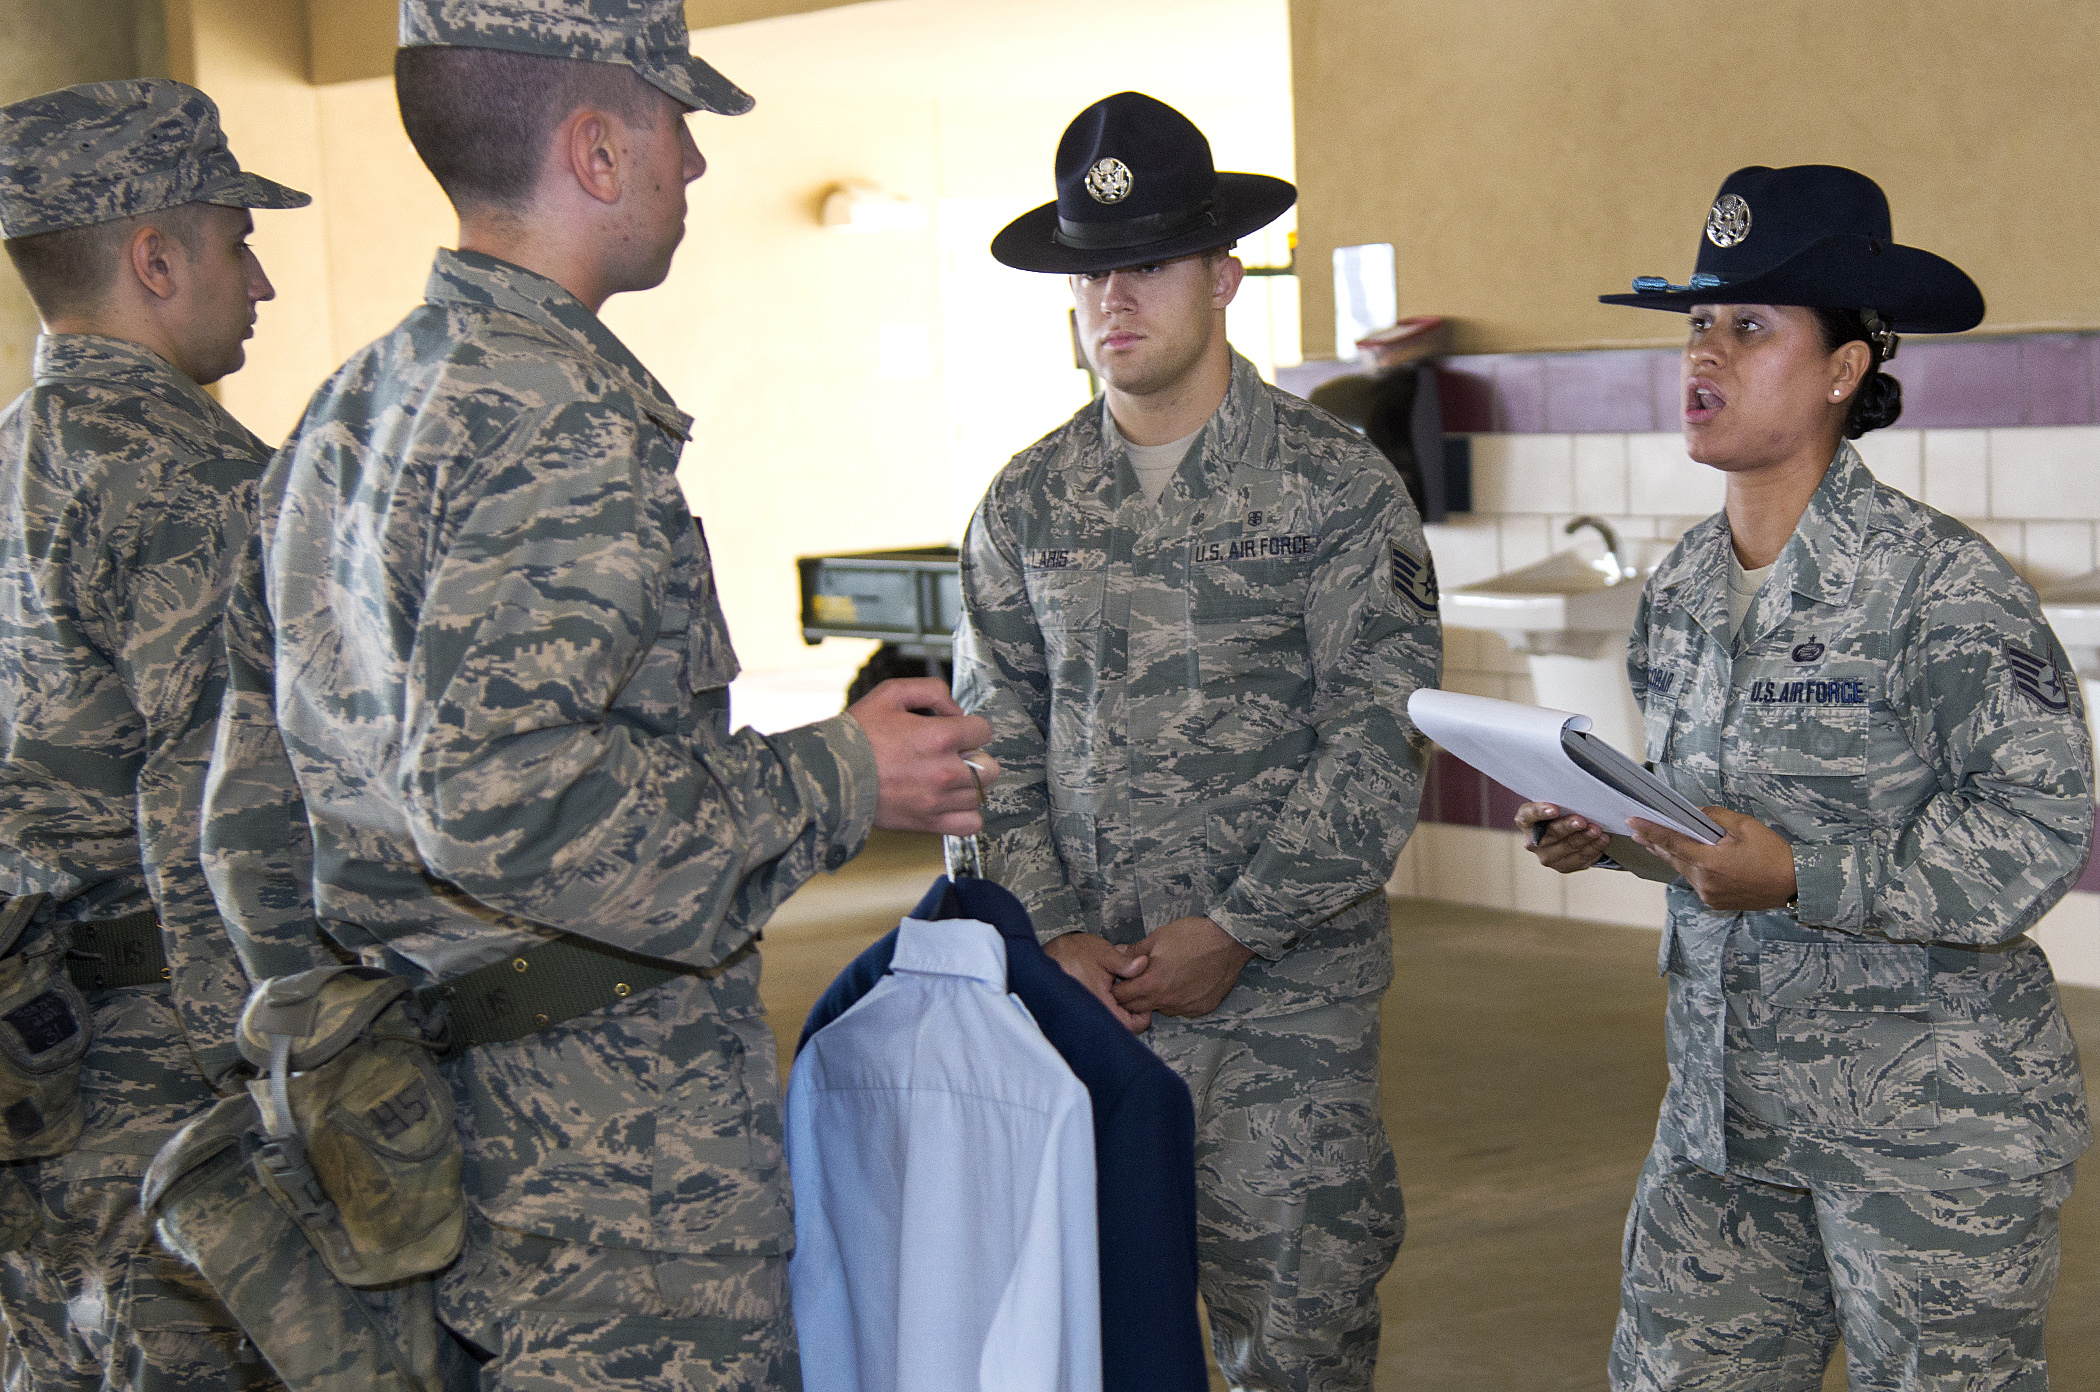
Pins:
x,y
963,857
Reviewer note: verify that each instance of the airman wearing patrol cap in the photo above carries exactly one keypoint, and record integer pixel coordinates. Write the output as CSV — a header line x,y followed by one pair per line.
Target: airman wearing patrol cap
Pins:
x,y
510,732
124,491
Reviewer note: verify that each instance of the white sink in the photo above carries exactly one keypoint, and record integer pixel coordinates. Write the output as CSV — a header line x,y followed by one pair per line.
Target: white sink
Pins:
x,y
1568,616
1570,592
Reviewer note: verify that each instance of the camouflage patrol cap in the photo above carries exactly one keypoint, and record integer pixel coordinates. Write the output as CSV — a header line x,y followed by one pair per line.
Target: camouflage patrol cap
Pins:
x,y
646,35
106,150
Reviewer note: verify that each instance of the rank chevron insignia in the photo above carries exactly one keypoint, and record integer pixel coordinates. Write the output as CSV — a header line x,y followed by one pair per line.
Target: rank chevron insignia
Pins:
x,y
1416,579
2038,678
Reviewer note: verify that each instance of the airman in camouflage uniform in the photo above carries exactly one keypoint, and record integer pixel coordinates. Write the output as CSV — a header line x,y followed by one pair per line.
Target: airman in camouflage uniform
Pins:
x,y
1891,1055
1201,704
125,495
510,727
1875,1102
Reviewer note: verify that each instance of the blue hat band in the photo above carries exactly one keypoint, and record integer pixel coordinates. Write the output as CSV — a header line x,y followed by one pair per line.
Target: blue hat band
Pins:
x,y
1701,280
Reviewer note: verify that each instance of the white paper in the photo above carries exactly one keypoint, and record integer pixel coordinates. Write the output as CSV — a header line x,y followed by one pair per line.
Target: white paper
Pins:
x,y
1519,747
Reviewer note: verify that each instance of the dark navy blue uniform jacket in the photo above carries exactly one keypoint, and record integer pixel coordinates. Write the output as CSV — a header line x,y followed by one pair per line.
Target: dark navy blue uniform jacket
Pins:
x,y
1144,1143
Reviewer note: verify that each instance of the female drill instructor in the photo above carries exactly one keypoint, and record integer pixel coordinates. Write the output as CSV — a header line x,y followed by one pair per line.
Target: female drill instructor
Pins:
x,y
1874,1100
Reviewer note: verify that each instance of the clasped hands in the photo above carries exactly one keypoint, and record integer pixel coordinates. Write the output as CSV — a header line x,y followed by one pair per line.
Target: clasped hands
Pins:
x,y
1750,868
1184,968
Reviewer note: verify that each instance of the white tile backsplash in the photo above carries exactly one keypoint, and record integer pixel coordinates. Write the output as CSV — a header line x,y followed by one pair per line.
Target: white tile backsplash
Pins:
x,y
1896,457
2054,551
2009,537
1614,896
1600,474
1524,473
1664,479
2033,493
1526,539
1465,865
1402,883
1534,888
2046,471
1957,472
2070,934
1461,648
1477,683
1466,549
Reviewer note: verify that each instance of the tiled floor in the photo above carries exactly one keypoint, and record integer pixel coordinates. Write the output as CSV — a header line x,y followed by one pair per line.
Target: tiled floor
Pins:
x,y
1523,1059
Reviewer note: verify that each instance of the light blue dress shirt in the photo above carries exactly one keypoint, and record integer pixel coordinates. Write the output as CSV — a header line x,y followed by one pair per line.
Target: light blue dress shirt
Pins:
x,y
943,1162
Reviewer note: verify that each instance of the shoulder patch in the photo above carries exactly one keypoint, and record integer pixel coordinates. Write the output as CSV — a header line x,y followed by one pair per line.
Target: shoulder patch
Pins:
x,y
2037,678
1415,579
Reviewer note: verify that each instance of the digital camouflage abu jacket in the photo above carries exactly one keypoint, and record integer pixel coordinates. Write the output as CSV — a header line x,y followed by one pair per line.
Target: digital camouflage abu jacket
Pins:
x,y
483,619
1895,706
125,494
1201,704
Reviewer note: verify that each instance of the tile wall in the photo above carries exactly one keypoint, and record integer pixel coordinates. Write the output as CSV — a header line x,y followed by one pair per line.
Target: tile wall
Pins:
x,y
2032,489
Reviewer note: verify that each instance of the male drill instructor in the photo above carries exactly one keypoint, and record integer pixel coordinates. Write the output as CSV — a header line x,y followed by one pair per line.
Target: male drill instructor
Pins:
x,y
125,495
509,723
1194,614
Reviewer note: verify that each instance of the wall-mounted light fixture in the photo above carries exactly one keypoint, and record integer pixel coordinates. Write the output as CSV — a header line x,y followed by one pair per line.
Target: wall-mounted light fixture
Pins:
x,y
857,205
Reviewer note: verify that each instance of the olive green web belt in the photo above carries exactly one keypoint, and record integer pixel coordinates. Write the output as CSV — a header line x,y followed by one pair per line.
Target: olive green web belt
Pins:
x,y
106,954
542,986
118,952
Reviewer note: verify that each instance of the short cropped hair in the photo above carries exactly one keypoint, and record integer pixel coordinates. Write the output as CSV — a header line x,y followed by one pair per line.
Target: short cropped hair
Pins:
x,y
481,117
70,271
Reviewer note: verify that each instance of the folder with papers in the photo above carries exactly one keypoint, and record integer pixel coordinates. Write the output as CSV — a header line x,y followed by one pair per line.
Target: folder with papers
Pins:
x,y
1546,755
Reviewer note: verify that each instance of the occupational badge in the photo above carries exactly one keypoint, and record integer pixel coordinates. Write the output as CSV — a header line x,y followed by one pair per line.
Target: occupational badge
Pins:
x,y
1416,579
1808,652
1729,222
2037,678
1108,181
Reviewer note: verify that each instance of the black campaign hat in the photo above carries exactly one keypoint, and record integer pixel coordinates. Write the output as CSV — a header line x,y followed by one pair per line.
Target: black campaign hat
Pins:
x,y
1135,184
1816,235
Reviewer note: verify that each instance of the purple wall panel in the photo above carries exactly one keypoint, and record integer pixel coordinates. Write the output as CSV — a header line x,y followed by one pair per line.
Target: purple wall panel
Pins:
x,y
1502,805
1959,384
1463,788
1666,389
2034,379
1457,794
2056,380
1520,393
1596,392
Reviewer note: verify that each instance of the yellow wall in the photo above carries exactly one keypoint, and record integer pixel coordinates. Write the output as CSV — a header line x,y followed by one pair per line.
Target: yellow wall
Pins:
x,y
354,39
250,56
1524,156
47,44
769,326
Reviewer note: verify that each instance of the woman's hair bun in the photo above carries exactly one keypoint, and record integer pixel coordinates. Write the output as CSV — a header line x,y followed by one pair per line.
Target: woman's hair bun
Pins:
x,y
1877,403
1879,399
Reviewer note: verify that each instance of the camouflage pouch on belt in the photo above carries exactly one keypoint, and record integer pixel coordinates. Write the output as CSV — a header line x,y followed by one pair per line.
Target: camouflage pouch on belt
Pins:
x,y
207,1202
359,1146
20,1213
45,1029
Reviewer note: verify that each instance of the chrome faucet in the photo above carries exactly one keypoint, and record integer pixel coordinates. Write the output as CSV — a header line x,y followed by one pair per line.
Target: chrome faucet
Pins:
x,y
1614,569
